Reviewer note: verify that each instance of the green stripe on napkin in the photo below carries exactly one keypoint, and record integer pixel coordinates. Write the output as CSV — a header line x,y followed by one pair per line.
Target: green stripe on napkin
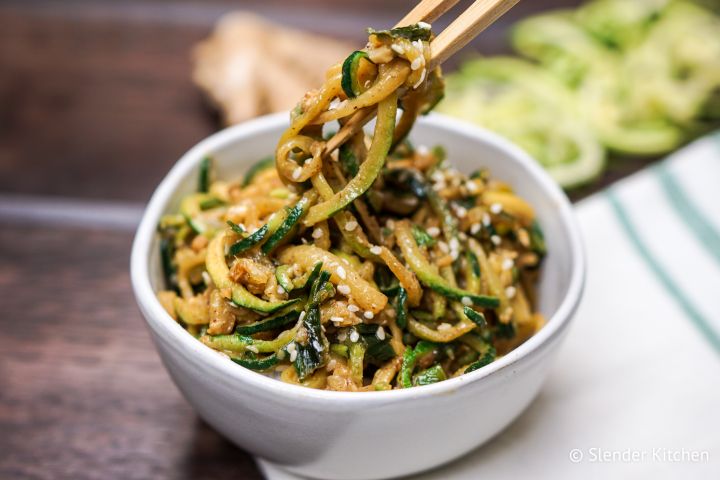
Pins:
x,y
689,213
668,283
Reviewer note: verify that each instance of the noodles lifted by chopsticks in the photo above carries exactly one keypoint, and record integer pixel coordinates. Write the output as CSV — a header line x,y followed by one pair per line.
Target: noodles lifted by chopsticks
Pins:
x,y
373,267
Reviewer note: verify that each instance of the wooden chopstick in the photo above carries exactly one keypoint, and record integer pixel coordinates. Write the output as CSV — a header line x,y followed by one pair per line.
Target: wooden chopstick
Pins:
x,y
467,26
427,11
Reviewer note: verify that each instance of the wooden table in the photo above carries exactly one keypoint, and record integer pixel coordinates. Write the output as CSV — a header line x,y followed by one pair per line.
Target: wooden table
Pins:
x,y
95,106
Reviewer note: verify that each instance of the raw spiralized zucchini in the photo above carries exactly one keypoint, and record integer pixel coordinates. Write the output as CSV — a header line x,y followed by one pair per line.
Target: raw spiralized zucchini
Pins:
x,y
636,77
526,104
368,269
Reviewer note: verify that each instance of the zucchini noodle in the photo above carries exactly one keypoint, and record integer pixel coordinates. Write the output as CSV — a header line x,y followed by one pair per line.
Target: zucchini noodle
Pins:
x,y
373,267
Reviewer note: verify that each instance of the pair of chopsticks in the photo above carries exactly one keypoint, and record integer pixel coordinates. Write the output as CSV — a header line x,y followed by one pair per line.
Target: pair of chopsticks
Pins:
x,y
459,33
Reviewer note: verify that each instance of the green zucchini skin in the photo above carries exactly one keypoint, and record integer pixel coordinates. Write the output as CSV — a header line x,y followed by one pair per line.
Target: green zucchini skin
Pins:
x,y
439,284
369,169
236,228
250,241
487,358
220,273
257,364
280,320
283,278
477,317
190,208
167,252
242,298
428,277
350,83
204,175
292,218
429,376
260,166
402,310
410,357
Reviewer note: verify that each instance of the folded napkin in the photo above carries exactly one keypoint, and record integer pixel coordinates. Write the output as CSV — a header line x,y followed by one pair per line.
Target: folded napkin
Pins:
x,y
635,389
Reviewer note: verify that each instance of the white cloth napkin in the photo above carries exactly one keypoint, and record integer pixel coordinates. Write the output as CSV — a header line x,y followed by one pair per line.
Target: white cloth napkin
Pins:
x,y
635,390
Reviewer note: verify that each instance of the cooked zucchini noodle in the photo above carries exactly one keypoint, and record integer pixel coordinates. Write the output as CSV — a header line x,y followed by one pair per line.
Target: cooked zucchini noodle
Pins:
x,y
374,267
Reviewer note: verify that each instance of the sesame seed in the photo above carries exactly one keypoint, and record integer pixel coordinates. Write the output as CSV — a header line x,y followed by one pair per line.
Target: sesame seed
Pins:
x,y
454,244
471,186
507,264
342,336
474,228
461,212
437,176
317,233
353,308
341,272
422,150
375,250
495,240
206,278
510,291
337,319
443,327
302,315
417,63
344,289
380,334
467,301
486,219
280,290
296,173
443,247
424,26
252,348
237,210
292,350
433,231
351,225
495,208
368,314
316,345
399,49
354,336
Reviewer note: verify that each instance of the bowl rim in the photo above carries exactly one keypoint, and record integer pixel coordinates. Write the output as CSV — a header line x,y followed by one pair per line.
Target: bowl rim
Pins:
x,y
158,319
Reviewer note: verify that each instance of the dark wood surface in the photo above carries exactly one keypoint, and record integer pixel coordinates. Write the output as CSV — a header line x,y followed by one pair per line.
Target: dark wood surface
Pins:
x,y
96,104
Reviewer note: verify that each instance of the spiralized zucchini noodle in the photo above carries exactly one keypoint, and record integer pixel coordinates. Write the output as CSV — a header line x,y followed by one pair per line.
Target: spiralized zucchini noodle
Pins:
x,y
373,267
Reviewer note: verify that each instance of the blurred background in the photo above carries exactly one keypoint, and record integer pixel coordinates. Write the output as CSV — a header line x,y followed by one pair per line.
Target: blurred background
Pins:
x,y
98,99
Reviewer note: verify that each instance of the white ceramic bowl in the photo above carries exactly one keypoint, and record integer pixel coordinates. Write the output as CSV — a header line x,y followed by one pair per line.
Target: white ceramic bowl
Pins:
x,y
368,435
